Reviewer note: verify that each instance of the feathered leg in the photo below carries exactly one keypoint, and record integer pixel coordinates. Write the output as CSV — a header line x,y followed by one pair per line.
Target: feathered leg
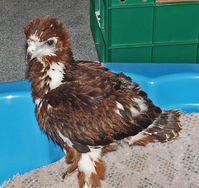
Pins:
x,y
165,128
73,157
91,169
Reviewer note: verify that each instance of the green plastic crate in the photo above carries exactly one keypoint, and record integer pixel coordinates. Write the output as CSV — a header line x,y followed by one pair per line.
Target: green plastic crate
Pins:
x,y
145,31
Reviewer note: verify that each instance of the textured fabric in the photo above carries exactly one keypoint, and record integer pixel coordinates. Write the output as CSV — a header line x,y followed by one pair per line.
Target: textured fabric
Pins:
x,y
174,164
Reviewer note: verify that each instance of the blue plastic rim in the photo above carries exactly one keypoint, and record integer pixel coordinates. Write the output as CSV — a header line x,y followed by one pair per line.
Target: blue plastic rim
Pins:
x,y
25,147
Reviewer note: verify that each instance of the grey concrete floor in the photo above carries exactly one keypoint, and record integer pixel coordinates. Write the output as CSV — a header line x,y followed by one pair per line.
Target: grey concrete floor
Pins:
x,y
15,14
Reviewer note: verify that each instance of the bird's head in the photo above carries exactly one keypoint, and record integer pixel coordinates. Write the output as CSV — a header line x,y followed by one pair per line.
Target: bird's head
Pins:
x,y
47,39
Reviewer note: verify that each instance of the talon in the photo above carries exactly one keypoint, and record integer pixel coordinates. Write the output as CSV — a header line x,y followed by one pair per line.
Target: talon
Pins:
x,y
65,174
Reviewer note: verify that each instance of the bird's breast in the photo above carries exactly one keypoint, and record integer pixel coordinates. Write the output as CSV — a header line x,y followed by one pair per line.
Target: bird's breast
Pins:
x,y
56,75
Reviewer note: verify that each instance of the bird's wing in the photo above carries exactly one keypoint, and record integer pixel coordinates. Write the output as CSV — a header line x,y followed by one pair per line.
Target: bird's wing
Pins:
x,y
99,110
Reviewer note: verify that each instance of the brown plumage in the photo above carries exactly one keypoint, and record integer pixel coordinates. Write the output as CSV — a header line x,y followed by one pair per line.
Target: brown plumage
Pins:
x,y
85,107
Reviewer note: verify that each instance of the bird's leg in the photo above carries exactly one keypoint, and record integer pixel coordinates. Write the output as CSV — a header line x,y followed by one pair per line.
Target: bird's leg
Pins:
x,y
70,154
73,157
91,169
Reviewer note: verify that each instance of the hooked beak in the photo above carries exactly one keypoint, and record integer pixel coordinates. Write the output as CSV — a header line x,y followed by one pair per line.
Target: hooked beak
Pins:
x,y
28,58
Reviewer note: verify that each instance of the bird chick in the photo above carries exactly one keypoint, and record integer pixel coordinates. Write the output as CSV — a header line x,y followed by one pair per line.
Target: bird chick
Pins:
x,y
86,108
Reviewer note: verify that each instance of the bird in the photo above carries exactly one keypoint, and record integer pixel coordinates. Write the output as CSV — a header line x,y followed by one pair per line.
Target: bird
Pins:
x,y
86,108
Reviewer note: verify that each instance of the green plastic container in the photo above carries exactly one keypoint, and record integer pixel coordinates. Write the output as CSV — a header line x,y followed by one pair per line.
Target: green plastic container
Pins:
x,y
145,31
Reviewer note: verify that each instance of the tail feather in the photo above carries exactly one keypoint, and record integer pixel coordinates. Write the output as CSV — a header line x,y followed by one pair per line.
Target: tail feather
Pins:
x,y
165,128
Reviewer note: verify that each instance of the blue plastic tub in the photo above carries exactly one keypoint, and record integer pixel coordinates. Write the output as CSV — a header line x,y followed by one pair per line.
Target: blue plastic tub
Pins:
x,y
25,147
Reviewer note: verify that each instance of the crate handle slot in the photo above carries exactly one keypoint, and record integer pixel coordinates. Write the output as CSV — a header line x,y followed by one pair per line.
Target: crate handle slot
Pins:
x,y
97,14
122,1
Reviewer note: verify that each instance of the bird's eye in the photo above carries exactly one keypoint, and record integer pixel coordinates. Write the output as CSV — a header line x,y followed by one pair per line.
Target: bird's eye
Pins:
x,y
50,42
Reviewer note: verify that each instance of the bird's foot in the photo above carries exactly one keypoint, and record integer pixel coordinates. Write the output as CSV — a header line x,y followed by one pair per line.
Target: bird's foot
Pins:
x,y
67,173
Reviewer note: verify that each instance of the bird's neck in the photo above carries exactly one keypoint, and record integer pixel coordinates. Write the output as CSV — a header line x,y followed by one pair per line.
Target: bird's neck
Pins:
x,y
46,75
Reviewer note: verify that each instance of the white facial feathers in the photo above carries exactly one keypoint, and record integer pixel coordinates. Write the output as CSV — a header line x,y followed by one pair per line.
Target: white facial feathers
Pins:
x,y
39,49
34,38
